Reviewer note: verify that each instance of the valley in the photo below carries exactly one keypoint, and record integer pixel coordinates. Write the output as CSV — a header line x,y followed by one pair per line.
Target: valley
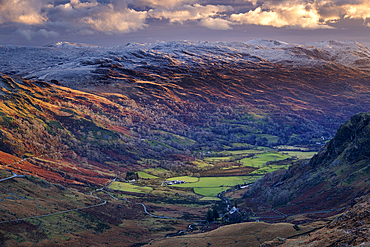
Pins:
x,y
171,143
182,206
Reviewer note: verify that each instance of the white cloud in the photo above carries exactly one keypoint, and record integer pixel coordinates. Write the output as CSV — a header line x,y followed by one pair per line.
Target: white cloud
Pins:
x,y
189,12
22,11
89,17
303,14
168,4
361,11
216,23
294,16
110,20
85,32
77,4
29,35
85,18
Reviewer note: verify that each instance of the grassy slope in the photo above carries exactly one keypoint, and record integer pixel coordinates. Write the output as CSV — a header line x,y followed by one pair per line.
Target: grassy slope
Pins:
x,y
233,235
260,159
129,187
146,175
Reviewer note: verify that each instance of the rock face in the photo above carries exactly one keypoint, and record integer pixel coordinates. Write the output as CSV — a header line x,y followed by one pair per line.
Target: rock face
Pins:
x,y
336,180
350,145
330,181
349,229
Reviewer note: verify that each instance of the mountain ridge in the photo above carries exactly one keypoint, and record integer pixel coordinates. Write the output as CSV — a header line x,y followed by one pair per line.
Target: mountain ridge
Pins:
x,y
63,56
173,105
332,179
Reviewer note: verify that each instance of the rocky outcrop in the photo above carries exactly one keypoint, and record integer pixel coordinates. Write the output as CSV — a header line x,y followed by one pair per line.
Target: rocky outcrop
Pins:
x,y
332,179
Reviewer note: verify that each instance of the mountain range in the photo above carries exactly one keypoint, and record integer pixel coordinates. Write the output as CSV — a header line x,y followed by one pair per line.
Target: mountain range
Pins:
x,y
79,117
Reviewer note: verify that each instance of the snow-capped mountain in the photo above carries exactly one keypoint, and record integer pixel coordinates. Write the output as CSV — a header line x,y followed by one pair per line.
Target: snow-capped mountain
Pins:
x,y
73,63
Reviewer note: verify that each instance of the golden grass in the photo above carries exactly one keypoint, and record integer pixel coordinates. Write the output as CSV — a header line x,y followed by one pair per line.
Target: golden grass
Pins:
x,y
243,234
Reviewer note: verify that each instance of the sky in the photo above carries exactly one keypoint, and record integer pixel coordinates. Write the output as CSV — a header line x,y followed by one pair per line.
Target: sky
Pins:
x,y
116,22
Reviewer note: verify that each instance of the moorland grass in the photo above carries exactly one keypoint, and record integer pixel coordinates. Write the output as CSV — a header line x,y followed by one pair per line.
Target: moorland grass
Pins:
x,y
219,158
210,192
210,198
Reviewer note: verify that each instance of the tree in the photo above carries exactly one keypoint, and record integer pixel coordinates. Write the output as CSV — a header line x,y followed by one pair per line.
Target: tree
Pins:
x,y
210,215
131,175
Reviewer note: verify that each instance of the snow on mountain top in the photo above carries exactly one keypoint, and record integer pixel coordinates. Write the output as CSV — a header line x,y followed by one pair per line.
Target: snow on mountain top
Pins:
x,y
66,44
333,44
267,43
68,60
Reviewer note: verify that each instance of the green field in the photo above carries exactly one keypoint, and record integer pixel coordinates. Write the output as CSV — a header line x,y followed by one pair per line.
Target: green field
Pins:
x,y
301,155
213,182
210,192
270,138
210,198
241,152
129,187
269,168
262,158
175,138
187,179
219,158
237,144
287,147
145,175
156,171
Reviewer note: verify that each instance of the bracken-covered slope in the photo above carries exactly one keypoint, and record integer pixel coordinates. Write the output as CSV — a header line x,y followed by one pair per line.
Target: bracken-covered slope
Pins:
x,y
86,114
331,180
327,198
318,84
349,229
130,106
72,136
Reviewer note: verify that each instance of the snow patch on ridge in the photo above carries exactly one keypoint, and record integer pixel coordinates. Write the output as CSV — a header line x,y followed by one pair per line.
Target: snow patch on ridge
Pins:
x,y
75,62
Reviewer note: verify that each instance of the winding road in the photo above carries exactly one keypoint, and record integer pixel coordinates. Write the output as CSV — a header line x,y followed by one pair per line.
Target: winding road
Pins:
x,y
14,175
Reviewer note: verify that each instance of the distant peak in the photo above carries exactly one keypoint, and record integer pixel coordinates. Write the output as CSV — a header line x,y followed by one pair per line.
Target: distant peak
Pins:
x,y
69,44
267,43
335,43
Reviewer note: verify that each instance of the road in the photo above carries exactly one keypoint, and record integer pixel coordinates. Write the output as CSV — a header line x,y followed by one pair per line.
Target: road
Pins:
x,y
60,212
14,175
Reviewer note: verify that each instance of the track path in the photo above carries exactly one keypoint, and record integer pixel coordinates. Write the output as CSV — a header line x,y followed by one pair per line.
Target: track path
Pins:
x,y
14,175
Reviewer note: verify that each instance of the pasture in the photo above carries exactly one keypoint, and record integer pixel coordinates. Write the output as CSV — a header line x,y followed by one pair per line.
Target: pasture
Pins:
x,y
187,179
129,187
300,154
145,175
211,186
210,192
260,159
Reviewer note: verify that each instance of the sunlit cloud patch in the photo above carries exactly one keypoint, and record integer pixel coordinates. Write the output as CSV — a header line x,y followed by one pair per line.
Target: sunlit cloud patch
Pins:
x,y
89,17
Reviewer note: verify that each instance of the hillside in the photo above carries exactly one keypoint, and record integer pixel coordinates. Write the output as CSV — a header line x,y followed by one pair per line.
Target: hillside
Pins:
x,y
326,198
332,179
37,118
123,122
298,93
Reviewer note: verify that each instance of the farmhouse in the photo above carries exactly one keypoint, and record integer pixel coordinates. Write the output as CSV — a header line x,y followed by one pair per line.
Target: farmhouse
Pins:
x,y
175,182
234,215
